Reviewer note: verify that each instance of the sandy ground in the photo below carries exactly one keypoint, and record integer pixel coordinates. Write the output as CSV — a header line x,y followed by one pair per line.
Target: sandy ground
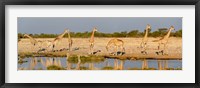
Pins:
x,y
174,46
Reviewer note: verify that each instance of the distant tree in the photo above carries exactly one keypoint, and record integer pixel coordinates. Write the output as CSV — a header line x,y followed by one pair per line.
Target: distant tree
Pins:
x,y
155,34
178,33
123,34
133,33
116,34
162,31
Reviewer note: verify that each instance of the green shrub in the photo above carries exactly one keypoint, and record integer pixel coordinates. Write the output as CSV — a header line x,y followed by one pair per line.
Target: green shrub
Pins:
x,y
53,67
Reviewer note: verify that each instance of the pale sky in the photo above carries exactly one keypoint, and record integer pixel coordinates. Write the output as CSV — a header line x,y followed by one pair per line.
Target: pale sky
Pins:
x,y
56,25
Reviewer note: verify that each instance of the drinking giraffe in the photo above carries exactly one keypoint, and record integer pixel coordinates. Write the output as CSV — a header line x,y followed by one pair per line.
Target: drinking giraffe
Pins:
x,y
36,43
117,43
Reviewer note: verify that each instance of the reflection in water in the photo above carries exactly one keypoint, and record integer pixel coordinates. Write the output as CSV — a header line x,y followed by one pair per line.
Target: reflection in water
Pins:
x,y
78,64
116,66
144,64
162,65
159,65
62,63
121,65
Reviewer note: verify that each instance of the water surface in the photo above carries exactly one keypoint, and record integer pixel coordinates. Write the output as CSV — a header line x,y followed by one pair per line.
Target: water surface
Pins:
x,y
44,63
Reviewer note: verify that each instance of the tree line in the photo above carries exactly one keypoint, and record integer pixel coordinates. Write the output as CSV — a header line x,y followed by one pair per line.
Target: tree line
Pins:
x,y
134,33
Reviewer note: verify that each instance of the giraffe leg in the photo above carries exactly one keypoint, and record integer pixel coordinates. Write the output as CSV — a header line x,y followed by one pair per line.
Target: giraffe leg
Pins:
x,y
121,49
162,52
145,46
53,46
165,50
118,50
92,48
158,49
115,50
158,46
69,47
40,48
143,49
141,45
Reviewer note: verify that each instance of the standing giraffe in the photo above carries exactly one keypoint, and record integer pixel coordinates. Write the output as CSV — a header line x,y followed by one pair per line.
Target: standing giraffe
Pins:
x,y
92,40
69,40
143,44
117,43
164,40
57,40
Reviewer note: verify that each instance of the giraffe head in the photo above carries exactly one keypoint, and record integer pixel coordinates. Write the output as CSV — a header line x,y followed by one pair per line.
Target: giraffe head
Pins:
x,y
66,30
148,27
95,29
172,28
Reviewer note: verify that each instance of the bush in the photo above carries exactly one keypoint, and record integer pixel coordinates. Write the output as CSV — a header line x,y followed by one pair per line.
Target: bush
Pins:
x,y
53,67
107,68
133,33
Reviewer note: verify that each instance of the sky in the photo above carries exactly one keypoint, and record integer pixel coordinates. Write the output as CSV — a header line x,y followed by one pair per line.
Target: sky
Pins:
x,y
56,25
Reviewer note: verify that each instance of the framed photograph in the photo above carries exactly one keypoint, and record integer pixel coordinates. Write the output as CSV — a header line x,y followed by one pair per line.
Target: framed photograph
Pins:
x,y
106,43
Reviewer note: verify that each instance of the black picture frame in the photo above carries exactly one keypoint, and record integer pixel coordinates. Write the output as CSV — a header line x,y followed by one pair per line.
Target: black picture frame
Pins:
x,y
99,2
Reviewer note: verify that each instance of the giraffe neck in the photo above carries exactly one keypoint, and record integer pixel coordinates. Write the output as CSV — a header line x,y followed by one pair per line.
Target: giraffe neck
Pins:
x,y
69,36
92,36
168,34
61,36
32,39
146,33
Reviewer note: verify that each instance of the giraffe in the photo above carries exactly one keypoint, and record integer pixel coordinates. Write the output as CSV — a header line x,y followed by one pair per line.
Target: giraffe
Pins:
x,y
164,40
117,43
92,40
40,44
69,40
143,44
32,40
57,40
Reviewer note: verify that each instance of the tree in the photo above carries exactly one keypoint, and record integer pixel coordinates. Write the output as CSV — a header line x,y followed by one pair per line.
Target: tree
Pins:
x,y
178,33
133,33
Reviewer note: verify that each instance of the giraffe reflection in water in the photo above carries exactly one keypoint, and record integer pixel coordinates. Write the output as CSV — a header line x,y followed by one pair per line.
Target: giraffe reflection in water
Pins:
x,y
63,63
